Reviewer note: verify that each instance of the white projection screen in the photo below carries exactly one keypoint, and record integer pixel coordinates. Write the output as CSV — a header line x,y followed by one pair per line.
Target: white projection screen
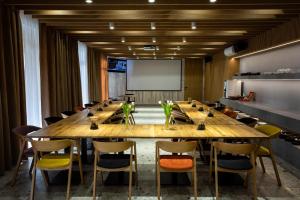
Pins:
x,y
149,75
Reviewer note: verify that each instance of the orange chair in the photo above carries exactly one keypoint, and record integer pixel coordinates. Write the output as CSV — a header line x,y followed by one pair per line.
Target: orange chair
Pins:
x,y
176,163
230,113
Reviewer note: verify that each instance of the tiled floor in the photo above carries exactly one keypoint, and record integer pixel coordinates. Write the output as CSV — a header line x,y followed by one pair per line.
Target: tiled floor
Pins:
x,y
146,189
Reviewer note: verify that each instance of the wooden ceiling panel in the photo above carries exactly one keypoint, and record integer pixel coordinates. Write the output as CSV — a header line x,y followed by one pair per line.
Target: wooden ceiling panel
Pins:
x,y
218,24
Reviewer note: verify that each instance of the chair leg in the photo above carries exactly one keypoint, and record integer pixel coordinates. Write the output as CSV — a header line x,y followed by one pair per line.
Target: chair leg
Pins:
x,y
136,173
158,183
19,163
130,184
80,169
195,183
95,182
211,164
262,164
69,183
33,184
45,177
275,169
31,167
254,183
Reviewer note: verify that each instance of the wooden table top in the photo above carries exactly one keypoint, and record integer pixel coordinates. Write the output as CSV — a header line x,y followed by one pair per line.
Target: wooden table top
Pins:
x,y
78,126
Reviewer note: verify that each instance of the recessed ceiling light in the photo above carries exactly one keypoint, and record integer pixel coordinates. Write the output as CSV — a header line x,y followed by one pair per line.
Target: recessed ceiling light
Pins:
x,y
137,58
212,1
184,40
157,48
193,25
155,58
154,40
154,53
175,53
122,39
88,1
172,58
134,53
178,48
129,48
153,27
111,26
151,1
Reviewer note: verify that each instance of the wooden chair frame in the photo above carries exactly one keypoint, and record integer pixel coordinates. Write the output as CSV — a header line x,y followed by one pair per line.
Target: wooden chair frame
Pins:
x,y
114,147
41,147
239,149
179,148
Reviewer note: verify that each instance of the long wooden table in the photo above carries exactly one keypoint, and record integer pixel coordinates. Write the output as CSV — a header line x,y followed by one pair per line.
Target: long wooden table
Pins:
x,y
219,126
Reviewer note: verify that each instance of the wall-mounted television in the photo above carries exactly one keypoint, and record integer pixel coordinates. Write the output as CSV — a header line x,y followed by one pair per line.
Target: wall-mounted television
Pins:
x,y
117,65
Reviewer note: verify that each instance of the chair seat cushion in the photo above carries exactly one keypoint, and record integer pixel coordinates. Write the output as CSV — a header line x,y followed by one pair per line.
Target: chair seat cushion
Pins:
x,y
114,161
176,162
238,163
263,151
51,161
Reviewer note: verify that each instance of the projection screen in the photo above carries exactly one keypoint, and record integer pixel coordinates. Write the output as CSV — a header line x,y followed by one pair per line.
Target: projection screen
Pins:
x,y
159,75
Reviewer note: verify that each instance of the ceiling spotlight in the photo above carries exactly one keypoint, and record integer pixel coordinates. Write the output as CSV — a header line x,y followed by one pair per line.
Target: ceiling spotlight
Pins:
x,y
129,48
178,48
157,48
153,27
111,26
172,58
175,53
154,40
212,1
155,58
88,1
154,53
137,58
193,25
134,53
151,1
122,39
184,40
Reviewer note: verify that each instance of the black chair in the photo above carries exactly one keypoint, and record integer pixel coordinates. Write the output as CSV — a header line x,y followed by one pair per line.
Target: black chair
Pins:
x,y
88,105
52,120
249,121
67,113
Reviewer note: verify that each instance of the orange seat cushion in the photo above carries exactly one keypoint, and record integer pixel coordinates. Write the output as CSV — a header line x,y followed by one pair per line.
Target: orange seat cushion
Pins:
x,y
176,162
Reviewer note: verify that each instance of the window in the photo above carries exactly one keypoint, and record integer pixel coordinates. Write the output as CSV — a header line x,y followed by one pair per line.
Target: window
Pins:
x,y
82,53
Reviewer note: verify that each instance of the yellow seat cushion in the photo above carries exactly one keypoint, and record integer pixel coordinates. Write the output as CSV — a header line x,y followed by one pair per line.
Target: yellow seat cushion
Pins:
x,y
263,151
51,161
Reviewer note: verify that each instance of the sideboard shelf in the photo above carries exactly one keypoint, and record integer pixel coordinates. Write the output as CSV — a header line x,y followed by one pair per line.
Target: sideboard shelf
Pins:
x,y
283,76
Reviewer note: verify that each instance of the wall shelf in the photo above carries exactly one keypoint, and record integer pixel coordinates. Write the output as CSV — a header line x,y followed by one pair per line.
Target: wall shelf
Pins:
x,y
284,119
283,76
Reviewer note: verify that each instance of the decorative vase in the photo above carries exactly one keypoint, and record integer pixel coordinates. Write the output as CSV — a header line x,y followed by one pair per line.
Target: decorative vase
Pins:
x,y
167,122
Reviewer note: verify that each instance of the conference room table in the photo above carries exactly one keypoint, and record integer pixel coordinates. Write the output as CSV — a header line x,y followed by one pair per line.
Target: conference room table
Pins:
x,y
78,126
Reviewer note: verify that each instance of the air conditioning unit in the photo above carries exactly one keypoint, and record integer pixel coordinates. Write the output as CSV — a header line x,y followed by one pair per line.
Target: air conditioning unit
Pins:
x,y
236,48
149,47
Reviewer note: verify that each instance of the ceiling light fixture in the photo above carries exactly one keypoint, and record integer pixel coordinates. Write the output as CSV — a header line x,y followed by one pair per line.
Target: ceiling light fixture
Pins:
x,y
111,26
137,58
129,48
153,27
175,53
154,53
157,48
155,58
154,40
122,39
178,48
88,1
184,40
193,25
134,53
172,58
212,1
151,1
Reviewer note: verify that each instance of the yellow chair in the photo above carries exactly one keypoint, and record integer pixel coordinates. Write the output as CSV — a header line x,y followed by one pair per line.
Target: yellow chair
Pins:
x,y
265,150
52,162
176,163
114,162
242,164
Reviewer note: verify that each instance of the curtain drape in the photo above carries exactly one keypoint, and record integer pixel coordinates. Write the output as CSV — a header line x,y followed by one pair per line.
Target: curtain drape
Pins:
x,y
94,82
60,69
12,91
82,52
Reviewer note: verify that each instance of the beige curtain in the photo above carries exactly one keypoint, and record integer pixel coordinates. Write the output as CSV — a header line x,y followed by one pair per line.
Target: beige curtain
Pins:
x,y
60,72
94,85
12,91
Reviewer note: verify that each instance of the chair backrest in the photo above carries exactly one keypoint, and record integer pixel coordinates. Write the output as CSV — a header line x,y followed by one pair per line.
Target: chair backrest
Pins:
x,y
112,147
234,148
67,113
24,130
176,147
248,121
52,145
52,120
270,130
